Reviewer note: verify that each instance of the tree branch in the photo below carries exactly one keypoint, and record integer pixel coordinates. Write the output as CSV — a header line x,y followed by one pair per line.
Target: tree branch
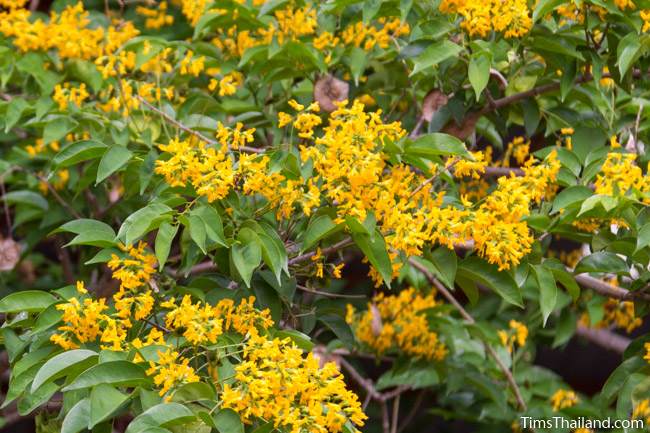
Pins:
x,y
604,338
189,130
325,251
609,290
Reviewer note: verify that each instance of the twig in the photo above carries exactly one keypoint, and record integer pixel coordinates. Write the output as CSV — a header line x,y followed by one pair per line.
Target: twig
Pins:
x,y
385,422
331,295
609,290
365,383
414,410
189,130
443,290
157,326
325,251
393,428
5,207
432,178
58,198
503,171
604,338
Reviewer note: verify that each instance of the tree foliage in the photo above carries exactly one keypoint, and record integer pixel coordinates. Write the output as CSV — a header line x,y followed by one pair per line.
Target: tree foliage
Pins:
x,y
189,189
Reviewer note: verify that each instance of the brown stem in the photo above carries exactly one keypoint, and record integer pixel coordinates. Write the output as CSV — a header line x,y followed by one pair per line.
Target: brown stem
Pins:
x,y
604,338
395,414
609,290
58,198
189,130
325,251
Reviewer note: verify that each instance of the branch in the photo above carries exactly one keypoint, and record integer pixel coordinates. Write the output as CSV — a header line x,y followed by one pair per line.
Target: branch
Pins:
x,y
465,315
604,338
58,198
503,171
368,385
189,130
325,251
609,290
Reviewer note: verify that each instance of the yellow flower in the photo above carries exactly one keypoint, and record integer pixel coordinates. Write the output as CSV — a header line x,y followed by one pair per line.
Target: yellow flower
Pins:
x,y
275,382
398,322
171,371
563,399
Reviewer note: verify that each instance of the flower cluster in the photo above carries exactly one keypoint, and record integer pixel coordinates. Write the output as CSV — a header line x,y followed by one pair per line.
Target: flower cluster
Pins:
x,y
518,334
563,399
398,322
620,175
510,17
69,32
275,382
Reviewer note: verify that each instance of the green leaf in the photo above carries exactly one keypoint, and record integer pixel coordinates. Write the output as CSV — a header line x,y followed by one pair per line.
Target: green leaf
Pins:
x,y
116,373
164,238
628,50
547,291
15,110
79,151
319,227
61,364
28,300
434,54
141,222
302,340
193,392
113,160
602,261
437,144
339,327
272,254
228,421
212,224
643,237
419,376
571,195
89,232
543,7
568,281
479,72
484,273
56,129
26,197
77,419
445,263
370,9
105,401
198,232
161,415
375,250
246,254
357,60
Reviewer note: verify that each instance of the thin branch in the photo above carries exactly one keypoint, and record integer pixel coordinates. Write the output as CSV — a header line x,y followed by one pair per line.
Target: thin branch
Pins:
x,y
189,130
331,295
433,178
413,412
503,171
609,290
604,338
365,383
452,300
385,421
58,198
325,251
395,414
